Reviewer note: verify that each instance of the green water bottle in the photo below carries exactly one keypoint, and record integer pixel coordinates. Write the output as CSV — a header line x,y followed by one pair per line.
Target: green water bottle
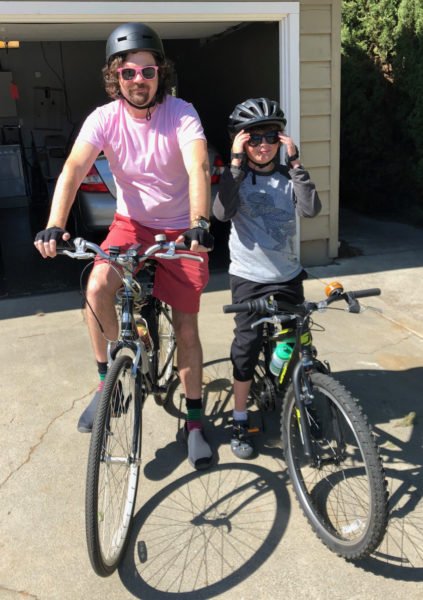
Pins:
x,y
280,357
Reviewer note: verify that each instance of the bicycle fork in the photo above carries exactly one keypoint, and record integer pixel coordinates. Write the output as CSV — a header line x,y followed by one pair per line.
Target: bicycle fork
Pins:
x,y
304,395
303,392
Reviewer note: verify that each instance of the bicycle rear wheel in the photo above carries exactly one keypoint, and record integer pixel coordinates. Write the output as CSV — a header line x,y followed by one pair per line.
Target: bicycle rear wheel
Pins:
x,y
113,468
344,494
165,353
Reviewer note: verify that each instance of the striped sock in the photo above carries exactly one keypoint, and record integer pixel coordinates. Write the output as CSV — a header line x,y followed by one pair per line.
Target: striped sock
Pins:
x,y
102,372
193,413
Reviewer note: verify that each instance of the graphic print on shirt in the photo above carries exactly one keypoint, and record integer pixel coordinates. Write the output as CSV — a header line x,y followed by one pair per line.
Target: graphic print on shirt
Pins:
x,y
278,222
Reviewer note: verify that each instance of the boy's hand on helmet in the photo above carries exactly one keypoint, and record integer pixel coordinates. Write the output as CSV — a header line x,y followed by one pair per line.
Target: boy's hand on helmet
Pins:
x,y
288,143
239,140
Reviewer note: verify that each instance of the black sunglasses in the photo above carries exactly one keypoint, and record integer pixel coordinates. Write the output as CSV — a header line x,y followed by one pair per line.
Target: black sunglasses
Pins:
x,y
255,138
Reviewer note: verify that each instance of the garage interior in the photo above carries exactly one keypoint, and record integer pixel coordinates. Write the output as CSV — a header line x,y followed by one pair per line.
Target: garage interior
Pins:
x,y
52,81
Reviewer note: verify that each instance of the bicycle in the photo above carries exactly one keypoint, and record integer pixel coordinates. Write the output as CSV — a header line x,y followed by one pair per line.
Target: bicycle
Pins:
x,y
140,362
330,452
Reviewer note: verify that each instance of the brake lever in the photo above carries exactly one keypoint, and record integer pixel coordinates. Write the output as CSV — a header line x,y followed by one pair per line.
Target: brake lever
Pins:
x,y
274,319
376,308
353,304
77,254
171,256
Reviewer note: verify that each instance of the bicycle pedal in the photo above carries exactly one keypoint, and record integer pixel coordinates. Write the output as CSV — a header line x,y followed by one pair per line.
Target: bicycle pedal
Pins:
x,y
253,430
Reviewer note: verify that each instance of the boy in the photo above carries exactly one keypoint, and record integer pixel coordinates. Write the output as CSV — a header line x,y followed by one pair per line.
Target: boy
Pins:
x,y
262,198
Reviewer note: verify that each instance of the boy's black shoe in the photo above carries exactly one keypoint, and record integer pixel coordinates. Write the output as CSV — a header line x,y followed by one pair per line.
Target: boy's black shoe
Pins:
x,y
241,444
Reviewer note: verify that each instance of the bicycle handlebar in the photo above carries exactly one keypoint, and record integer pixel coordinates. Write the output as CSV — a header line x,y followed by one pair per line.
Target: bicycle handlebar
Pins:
x,y
261,306
83,249
365,293
264,306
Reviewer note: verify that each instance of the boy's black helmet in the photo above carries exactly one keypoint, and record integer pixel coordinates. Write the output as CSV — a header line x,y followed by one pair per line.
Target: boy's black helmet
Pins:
x,y
256,111
133,37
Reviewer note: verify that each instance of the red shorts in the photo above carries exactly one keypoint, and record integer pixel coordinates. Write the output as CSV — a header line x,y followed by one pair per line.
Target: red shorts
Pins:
x,y
180,282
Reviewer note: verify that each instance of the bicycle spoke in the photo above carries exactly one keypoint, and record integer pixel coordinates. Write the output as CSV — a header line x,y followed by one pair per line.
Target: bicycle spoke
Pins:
x,y
342,491
111,493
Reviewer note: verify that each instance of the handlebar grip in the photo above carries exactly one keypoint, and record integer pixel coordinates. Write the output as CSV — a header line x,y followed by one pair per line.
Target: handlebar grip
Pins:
x,y
366,293
62,245
235,308
181,246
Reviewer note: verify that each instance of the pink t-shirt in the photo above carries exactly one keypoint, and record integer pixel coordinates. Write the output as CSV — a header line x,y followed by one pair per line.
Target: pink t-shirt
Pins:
x,y
146,160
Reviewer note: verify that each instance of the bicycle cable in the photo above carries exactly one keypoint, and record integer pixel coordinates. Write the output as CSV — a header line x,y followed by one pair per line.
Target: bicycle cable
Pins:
x,y
84,297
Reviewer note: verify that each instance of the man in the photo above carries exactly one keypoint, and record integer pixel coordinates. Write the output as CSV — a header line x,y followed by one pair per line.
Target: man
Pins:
x,y
157,152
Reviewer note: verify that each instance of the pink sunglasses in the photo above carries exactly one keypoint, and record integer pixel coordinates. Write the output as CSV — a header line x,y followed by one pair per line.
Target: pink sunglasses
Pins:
x,y
129,73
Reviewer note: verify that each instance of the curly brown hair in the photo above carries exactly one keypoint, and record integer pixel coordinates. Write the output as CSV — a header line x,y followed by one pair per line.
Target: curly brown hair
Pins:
x,y
167,77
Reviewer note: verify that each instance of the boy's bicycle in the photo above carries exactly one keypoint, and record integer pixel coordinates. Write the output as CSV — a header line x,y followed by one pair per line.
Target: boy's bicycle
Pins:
x,y
330,452
140,362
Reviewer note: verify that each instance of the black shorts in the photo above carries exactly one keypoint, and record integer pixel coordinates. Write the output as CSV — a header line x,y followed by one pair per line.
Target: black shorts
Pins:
x,y
246,344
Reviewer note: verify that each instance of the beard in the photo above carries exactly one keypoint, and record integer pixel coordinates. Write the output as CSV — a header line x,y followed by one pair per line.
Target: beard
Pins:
x,y
139,95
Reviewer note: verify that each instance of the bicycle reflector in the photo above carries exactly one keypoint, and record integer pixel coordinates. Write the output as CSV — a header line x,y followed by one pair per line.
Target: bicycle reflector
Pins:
x,y
334,288
93,182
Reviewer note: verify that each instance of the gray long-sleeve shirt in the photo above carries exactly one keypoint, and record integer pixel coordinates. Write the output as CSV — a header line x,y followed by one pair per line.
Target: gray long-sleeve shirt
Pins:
x,y
262,207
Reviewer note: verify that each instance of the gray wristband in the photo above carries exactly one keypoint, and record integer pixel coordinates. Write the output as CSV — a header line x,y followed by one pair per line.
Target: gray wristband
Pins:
x,y
237,155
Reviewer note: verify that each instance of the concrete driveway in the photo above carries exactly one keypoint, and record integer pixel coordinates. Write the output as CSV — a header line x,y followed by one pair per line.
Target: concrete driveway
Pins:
x,y
236,531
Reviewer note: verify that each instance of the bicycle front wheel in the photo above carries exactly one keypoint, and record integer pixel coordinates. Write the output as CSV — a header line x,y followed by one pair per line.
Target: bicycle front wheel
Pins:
x,y
113,468
343,491
263,386
165,353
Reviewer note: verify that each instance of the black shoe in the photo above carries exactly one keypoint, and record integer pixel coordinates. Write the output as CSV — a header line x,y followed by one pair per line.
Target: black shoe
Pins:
x,y
241,444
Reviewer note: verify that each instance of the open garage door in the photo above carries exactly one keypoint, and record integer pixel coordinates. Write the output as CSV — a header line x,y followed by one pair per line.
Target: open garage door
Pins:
x,y
224,52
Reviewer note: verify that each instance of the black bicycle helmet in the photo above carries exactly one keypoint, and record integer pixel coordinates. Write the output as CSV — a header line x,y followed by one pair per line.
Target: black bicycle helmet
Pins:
x,y
133,37
256,111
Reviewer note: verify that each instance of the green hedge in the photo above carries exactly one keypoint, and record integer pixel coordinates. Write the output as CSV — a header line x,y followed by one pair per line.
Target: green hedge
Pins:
x,y
382,107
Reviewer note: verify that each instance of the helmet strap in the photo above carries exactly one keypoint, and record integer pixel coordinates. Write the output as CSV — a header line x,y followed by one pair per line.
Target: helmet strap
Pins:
x,y
260,165
146,106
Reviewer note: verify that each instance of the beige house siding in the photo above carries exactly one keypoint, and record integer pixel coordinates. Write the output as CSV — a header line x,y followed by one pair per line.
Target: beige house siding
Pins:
x,y
320,27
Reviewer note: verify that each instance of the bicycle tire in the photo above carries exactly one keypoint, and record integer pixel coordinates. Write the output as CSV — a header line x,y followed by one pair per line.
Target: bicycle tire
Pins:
x,y
165,353
345,498
263,385
113,467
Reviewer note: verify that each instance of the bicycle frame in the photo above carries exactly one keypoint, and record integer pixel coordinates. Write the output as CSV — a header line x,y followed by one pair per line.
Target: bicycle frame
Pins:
x,y
129,262
129,336
299,365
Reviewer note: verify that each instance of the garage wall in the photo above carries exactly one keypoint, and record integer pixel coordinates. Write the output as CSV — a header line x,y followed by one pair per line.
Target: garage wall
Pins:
x,y
38,71
320,81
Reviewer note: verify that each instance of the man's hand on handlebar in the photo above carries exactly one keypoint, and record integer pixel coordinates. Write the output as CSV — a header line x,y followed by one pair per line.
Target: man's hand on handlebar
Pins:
x,y
46,240
197,239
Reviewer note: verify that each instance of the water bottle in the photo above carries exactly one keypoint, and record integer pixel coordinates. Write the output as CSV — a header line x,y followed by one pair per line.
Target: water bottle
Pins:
x,y
280,357
144,334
